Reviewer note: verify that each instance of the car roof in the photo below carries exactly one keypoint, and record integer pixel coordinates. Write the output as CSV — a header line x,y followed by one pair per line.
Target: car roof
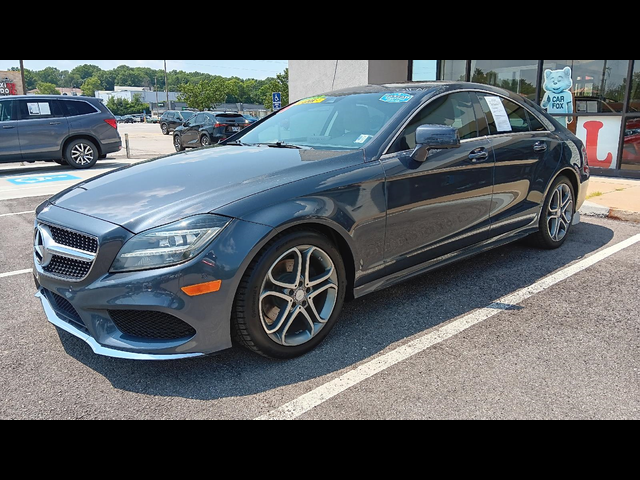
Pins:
x,y
54,97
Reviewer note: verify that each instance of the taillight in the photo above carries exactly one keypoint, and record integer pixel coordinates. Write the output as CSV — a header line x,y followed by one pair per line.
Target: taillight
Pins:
x,y
112,122
585,161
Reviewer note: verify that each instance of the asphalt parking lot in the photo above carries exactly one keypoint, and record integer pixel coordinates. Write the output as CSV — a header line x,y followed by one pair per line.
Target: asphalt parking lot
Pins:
x,y
516,333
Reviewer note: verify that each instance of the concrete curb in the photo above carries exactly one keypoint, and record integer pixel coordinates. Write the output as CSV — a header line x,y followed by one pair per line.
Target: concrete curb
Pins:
x,y
591,209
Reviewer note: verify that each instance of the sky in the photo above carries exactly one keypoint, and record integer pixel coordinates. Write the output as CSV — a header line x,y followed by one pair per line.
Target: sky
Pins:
x,y
258,69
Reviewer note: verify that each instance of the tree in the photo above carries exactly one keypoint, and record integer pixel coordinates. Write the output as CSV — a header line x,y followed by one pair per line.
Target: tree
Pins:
x,y
90,86
122,106
278,84
203,95
46,88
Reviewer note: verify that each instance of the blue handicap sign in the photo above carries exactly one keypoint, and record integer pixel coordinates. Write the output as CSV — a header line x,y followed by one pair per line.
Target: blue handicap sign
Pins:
x,y
277,97
59,177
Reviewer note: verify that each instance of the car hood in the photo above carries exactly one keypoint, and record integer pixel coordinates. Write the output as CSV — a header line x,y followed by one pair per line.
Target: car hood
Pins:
x,y
166,189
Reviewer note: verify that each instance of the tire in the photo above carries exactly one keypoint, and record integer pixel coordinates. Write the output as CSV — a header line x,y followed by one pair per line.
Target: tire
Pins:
x,y
290,297
81,153
177,143
205,140
165,129
556,216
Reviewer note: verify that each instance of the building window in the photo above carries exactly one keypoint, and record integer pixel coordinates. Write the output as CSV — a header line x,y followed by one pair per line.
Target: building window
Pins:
x,y
424,70
455,70
598,86
519,76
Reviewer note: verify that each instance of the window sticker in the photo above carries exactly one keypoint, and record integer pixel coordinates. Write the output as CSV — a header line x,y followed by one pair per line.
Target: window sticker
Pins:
x,y
306,101
396,97
40,108
499,114
362,138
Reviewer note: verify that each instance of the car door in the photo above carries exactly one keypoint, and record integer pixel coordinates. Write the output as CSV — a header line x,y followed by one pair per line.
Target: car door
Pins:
x,y
526,153
443,204
42,128
9,140
191,132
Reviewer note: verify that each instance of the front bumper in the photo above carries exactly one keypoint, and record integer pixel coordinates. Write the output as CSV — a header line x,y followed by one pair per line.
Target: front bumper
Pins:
x,y
146,315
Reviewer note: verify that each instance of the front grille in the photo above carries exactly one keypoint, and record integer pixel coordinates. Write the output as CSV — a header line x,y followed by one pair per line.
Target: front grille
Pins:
x,y
74,239
151,325
68,267
72,265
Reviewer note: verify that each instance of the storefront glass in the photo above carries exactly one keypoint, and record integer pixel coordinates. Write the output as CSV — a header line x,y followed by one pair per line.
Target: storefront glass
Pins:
x,y
519,76
455,70
598,86
631,145
424,70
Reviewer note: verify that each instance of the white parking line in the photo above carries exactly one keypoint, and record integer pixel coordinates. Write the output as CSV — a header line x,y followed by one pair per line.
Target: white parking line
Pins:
x,y
16,213
317,396
17,272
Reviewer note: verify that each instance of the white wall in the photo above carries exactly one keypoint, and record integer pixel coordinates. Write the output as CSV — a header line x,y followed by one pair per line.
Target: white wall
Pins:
x,y
313,77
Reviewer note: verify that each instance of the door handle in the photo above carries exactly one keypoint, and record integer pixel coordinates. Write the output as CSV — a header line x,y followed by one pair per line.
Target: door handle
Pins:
x,y
478,155
54,123
539,147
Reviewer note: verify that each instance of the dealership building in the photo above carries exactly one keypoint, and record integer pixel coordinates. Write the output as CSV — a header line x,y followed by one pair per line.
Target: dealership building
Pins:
x,y
598,100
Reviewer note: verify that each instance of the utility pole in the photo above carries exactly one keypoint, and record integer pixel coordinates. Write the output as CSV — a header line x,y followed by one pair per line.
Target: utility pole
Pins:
x,y
166,86
24,85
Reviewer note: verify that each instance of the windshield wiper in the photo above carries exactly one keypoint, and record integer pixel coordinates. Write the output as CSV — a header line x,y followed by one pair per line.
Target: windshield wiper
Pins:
x,y
281,145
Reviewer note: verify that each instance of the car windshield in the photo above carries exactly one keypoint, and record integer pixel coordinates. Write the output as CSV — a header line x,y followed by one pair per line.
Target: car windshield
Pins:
x,y
329,122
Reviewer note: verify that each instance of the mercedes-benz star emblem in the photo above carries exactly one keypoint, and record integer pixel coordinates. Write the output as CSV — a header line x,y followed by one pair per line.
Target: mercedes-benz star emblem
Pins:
x,y
40,243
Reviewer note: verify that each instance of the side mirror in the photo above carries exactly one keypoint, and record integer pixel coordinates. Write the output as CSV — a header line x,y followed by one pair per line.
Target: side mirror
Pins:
x,y
434,137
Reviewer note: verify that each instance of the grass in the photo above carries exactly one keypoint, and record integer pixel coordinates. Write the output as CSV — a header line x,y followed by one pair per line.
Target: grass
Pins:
x,y
594,194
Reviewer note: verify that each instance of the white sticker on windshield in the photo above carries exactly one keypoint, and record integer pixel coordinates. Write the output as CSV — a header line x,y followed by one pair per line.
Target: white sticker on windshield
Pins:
x,y
499,114
362,138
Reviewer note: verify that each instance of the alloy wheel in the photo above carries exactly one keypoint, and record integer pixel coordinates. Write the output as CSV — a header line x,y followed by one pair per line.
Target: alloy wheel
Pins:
x,y
298,295
82,154
560,212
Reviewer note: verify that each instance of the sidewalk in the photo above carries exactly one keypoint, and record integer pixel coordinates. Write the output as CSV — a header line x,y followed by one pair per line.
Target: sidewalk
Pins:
x,y
617,198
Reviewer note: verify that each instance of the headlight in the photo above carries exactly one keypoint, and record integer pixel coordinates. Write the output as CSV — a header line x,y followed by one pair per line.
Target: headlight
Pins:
x,y
170,244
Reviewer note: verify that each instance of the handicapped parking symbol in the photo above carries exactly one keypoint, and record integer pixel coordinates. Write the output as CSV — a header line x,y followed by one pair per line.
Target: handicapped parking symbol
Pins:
x,y
42,179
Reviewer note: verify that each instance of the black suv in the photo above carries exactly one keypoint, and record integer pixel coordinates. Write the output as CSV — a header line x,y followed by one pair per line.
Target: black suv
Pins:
x,y
172,119
208,128
69,130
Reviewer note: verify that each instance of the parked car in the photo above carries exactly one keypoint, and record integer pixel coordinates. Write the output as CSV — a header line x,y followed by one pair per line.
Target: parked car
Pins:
x,y
263,237
207,128
70,130
127,119
172,119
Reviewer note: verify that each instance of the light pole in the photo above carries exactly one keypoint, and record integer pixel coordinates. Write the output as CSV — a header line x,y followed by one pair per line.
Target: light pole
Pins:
x,y
166,85
24,85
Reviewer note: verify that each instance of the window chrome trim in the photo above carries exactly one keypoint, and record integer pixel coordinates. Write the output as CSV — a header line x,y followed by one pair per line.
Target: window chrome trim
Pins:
x,y
544,121
64,251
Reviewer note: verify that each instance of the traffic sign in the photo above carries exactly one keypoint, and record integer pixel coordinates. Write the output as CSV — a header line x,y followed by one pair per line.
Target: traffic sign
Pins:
x,y
277,100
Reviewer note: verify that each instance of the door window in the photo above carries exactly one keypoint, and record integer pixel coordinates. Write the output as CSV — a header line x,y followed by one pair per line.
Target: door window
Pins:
x,y
38,108
6,113
504,116
454,110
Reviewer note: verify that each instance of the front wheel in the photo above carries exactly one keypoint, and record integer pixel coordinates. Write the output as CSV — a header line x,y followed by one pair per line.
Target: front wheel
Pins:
x,y
291,296
557,215
177,143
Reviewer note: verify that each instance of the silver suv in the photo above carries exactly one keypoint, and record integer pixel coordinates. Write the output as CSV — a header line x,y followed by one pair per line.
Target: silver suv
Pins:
x,y
69,130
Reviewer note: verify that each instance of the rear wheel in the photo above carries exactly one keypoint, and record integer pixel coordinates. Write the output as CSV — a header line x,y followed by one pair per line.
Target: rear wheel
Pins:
x,y
165,129
291,296
557,215
205,140
81,153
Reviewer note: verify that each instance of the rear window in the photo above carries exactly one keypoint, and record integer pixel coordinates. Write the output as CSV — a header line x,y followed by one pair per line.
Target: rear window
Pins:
x,y
230,118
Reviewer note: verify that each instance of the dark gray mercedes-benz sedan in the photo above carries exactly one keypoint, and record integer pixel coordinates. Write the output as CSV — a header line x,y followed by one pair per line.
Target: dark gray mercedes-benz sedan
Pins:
x,y
262,238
